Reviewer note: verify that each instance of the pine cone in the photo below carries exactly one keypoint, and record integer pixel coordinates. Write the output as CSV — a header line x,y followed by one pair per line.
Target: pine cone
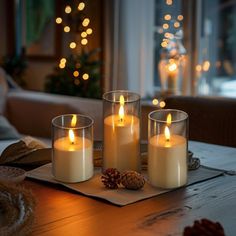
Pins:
x,y
204,227
132,180
111,178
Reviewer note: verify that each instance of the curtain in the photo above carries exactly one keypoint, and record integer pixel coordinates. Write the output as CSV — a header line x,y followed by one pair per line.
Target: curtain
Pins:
x,y
129,46
38,14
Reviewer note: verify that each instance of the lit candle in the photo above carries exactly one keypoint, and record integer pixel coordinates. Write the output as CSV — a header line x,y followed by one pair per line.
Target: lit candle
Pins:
x,y
172,76
167,159
121,139
72,157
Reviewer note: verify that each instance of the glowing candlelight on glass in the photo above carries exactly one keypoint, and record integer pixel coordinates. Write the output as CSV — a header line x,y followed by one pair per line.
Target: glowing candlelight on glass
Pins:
x,y
121,136
168,119
167,157
73,120
72,154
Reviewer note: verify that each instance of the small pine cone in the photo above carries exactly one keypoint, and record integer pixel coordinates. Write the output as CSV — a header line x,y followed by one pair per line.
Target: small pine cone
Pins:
x,y
111,178
132,180
204,227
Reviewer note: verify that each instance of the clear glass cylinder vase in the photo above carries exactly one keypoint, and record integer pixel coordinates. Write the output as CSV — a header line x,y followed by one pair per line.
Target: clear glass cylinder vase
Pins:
x,y
167,148
72,144
172,65
121,137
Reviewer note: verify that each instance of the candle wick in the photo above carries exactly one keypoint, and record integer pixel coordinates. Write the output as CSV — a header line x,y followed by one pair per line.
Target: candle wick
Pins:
x,y
121,120
73,142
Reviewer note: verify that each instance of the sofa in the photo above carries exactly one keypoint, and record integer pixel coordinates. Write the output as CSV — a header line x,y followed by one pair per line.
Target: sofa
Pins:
x,y
31,112
211,119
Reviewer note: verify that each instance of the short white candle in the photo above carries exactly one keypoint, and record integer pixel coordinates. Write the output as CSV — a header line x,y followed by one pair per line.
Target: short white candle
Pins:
x,y
122,142
167,161
73,161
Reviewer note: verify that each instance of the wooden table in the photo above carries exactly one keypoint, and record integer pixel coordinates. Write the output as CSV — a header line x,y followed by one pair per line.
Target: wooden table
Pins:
x,y
63,212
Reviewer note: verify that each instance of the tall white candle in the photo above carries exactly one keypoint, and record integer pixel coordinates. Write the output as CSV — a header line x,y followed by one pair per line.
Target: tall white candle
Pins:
x,y
121,137
167,161
72,160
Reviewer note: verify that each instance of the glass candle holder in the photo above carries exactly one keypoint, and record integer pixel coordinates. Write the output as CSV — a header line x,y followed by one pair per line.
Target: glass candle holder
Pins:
x,y
121,137
72,143
167,148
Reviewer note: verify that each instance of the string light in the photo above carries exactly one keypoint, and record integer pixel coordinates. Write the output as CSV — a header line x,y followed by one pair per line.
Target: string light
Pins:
x,y
63,60
67,29
165,26
85,76
84,41
167,17
167,35
72,45
155,101
169,2
58,20
62,65
85,22
76,73
198,68
68,9
180,17
81,6
176,24
83,34
206,65
89,31
162,104
164,44
76,82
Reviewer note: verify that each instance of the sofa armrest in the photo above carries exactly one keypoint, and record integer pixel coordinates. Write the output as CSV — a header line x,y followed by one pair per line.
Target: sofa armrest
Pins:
x,y
211,119
32,112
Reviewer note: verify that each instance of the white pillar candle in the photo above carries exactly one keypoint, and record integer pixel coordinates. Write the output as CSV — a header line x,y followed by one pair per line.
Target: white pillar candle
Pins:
x,y
72,161
167,161
121,138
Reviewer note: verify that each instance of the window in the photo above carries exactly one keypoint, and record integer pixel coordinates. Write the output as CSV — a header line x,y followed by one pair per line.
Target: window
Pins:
x,y
169,48
209,40
216,62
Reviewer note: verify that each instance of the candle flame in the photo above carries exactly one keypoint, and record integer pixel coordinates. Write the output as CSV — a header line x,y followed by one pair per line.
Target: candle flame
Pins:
x,y
121,110
71,136
167,133
169,119
73,120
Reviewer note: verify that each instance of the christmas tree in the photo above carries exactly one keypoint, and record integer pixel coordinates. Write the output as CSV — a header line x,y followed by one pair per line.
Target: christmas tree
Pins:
x,y
79,73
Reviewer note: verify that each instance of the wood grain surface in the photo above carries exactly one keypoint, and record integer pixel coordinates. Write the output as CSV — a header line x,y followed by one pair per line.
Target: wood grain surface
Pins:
x,y
61,211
